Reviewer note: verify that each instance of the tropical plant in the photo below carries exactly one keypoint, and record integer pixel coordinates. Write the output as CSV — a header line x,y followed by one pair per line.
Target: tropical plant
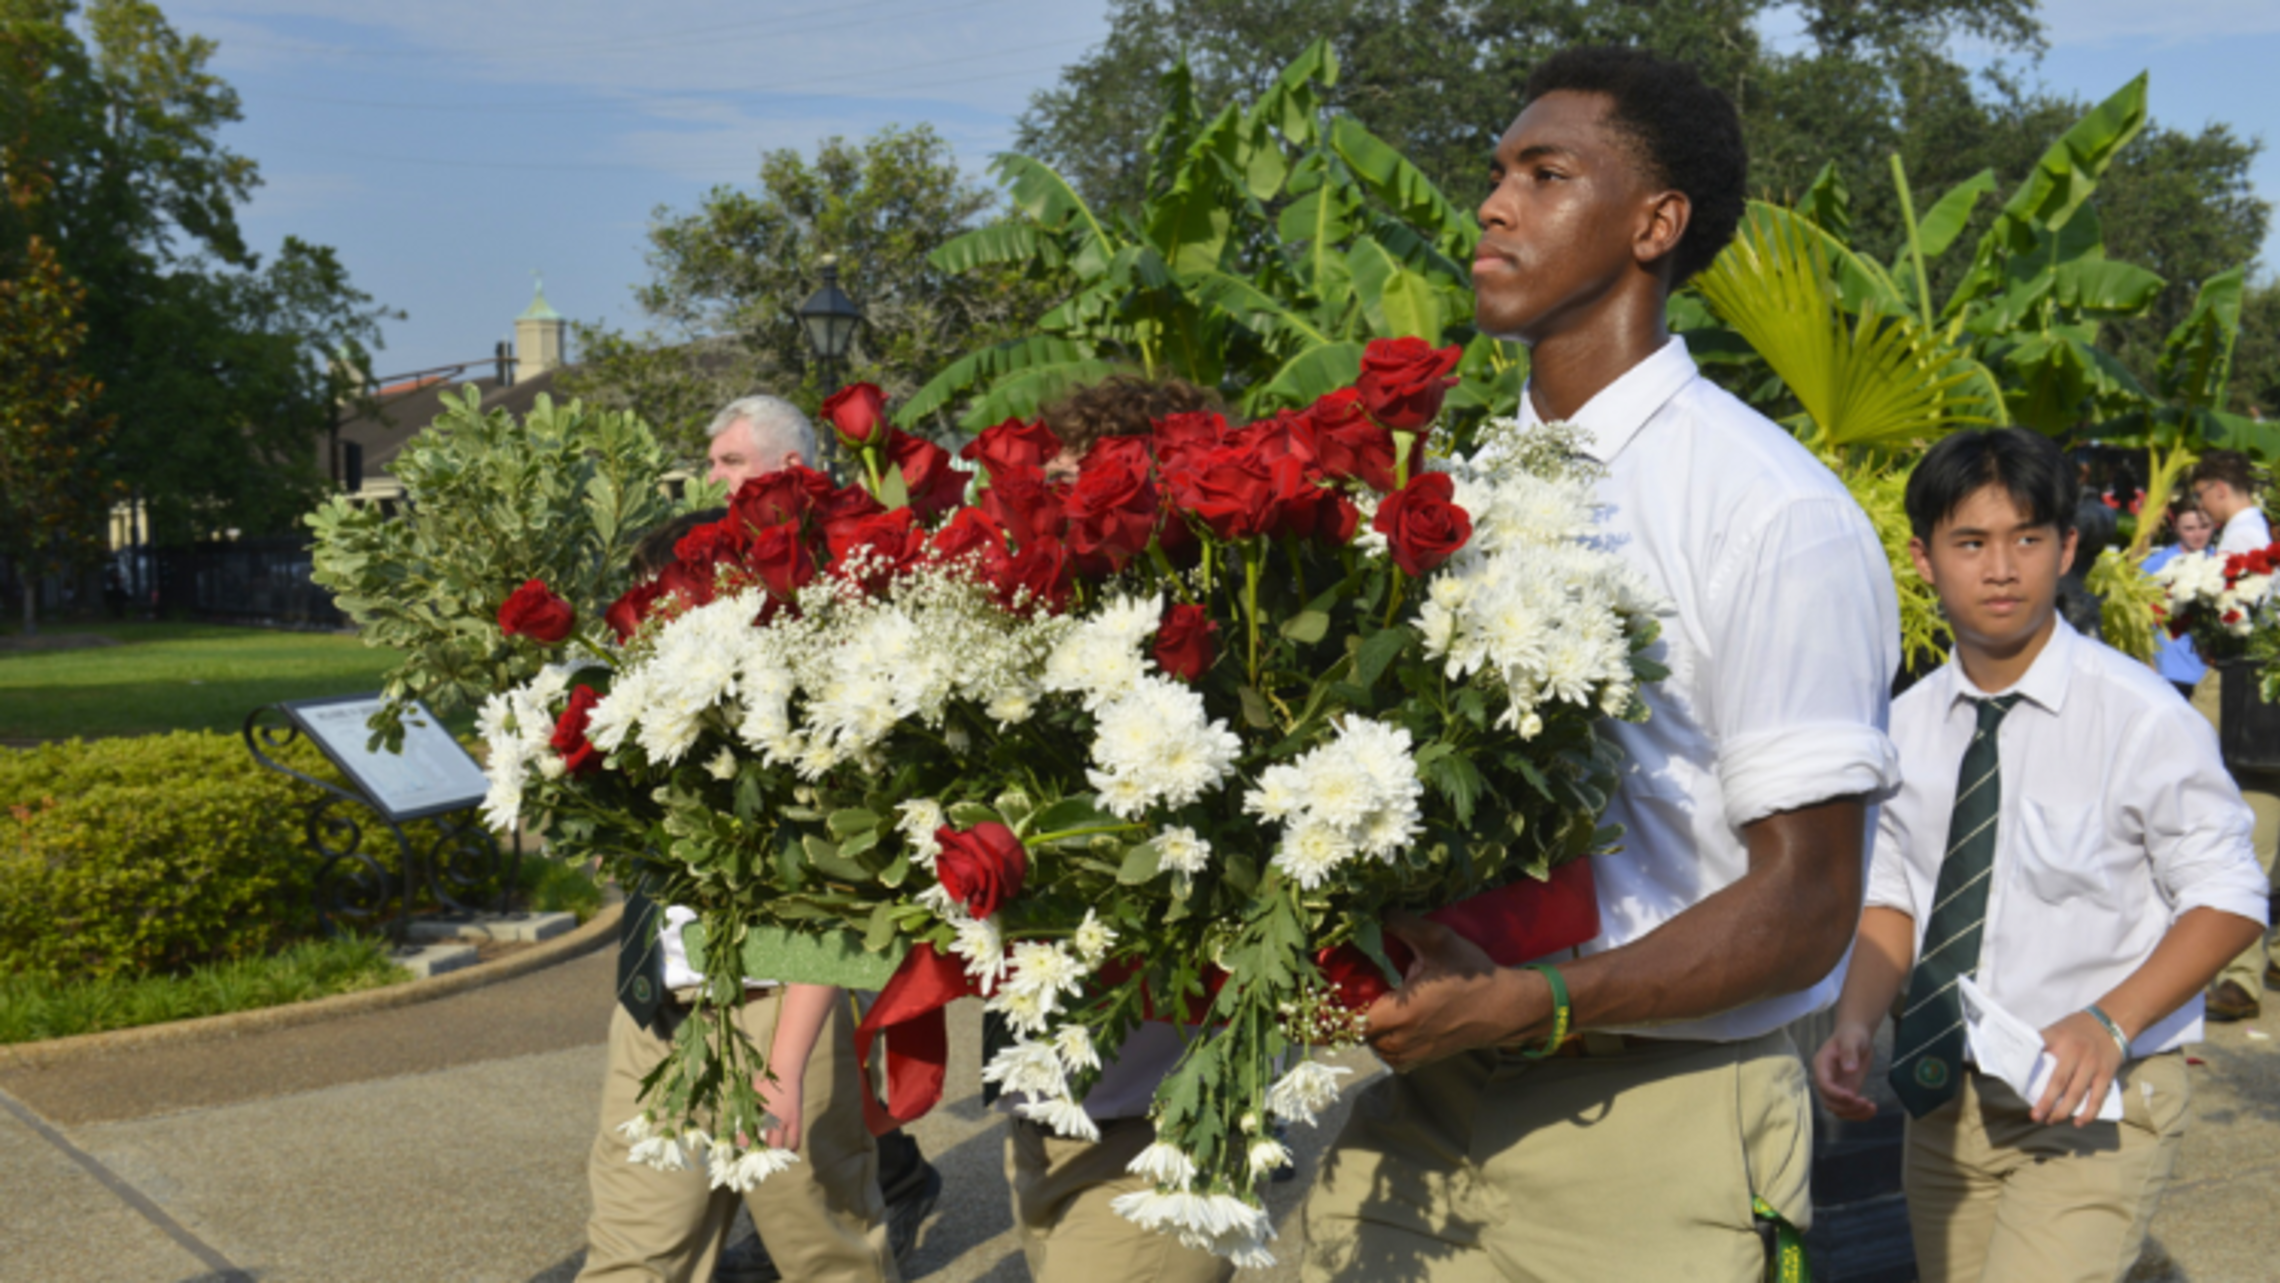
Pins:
x,y
1273,243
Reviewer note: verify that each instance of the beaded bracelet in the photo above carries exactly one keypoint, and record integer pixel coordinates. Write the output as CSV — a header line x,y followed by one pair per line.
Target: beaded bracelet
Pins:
x,y
1562,1013
2113,1031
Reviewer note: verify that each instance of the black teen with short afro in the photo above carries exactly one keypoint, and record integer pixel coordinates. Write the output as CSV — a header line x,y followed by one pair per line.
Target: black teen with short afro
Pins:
x,y
1687,136
2026,464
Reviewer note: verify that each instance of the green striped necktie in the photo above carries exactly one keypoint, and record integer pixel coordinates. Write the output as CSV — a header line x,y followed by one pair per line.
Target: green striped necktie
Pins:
x,y
1927,1048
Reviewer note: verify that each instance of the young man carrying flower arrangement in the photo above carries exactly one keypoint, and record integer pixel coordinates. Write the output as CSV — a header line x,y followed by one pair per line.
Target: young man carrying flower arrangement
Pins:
x,y
2067,847
1659,1142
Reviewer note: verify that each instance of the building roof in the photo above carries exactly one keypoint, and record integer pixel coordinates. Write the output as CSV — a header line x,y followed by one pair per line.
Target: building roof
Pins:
x,y
539,309
405,408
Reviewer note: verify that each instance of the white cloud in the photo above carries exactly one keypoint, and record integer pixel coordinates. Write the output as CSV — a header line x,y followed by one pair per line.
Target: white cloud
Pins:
x,y
2083,22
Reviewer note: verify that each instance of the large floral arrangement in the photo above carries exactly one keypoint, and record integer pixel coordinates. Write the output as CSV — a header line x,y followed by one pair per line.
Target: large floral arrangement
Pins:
x,y
1162,741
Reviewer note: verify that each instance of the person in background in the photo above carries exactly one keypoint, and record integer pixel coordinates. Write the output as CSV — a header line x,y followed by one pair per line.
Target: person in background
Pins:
x,y
1121,405
2066,835
2174,657
2226,486
756,435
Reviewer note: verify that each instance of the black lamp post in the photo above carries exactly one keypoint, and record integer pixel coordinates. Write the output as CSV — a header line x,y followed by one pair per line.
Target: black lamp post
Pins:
x,y
830,318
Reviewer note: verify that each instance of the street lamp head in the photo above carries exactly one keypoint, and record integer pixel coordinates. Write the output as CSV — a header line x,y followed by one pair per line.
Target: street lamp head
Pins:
x,y
830,317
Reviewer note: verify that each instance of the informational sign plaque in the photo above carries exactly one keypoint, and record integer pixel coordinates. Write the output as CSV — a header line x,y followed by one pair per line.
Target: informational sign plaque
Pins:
x,y
431,776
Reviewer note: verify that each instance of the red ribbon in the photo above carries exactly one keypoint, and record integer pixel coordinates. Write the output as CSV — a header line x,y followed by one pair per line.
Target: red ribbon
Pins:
x,y
1514,924
918,1056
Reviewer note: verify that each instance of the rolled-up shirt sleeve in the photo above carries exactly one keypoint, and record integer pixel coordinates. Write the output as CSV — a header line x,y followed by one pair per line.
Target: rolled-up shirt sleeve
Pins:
x,y
1888,862
1805,633
2196,828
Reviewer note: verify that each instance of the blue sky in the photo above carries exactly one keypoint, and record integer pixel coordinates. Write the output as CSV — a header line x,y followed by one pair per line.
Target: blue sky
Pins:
x,y
449,150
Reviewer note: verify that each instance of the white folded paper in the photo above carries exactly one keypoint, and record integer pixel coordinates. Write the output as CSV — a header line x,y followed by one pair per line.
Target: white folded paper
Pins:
x,y
2012,1050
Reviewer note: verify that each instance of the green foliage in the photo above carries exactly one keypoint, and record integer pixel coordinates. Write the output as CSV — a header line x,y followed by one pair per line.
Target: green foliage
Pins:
x,y
562,496
2127,602
36,1007
1272,242
51,502
130,857
219,368
728,276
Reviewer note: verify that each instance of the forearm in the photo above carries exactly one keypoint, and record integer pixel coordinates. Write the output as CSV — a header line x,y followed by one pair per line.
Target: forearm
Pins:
x,y
2196,948
800,1017
1780,928
1883,955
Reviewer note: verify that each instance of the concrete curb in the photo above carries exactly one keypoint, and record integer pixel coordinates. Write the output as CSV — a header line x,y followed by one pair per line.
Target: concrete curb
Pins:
x,y
562,948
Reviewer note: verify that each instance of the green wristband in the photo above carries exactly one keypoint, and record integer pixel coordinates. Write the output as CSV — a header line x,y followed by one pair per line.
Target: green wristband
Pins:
x,y
1562,1013
2113,1031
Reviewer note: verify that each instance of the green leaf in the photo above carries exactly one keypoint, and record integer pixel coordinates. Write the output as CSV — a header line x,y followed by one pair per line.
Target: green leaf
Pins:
x,y
1081,811
845,824
1255,710
1951,213
1141,862
1307,627
1382,648
965,815
1399,302
825,859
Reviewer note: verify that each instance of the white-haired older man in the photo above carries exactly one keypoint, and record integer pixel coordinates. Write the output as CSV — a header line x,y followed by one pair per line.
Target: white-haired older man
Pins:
x,y
757,435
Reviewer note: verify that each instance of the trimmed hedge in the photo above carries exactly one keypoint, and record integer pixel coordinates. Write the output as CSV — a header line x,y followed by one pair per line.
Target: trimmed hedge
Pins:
x,y
154,854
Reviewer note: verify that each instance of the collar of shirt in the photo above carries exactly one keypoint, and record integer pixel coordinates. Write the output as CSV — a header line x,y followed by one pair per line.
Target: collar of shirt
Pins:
x,y
2046,679
1610,419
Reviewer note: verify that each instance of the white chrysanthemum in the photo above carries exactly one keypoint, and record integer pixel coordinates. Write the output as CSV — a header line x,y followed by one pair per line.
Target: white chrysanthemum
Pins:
x,y
1165,1165
743,1170
979,943
1027,1010
1156,745
1281,791
1180,850
1219,1223
1029,1068
918,822
1308,1089
1093,939
1101,657
1064,1116
1267,1156
1045,967
1074,1044
1312,851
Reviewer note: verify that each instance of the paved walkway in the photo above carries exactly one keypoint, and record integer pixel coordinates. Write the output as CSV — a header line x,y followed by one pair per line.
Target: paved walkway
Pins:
x,y
446,1142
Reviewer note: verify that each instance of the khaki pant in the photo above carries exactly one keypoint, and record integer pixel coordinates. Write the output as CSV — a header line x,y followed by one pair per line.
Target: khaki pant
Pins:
x,y
2262,792
1639,1165
1061,1194
1995,1196
821,1219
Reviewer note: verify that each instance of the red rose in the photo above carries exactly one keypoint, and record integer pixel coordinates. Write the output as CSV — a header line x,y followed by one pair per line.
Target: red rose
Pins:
x,y
711,544
1136,453
981,868
1013,444
1112,512
844,503
971,530
1287,434
1030,578
626,613
1308,508
771,499
1228,488
780,557
534,611
934,486
1421,526
1184,646
1348,446
858,415
693,585
1022,502
1181,434
1404,380
893,541
578,752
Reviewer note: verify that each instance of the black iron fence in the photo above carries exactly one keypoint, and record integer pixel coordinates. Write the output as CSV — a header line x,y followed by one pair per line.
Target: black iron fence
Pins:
x,y
252,580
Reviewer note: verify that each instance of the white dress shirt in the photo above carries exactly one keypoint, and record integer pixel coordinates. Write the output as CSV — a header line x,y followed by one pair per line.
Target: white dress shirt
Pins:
x,y
2117,817
1781,632
2247,531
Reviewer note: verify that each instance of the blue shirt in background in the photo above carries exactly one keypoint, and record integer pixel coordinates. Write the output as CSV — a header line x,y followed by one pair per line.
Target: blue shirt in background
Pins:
x,y
2175,656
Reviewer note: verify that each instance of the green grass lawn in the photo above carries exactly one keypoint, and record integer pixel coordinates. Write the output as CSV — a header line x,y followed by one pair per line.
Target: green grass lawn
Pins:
x,y
165,677
33,1008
